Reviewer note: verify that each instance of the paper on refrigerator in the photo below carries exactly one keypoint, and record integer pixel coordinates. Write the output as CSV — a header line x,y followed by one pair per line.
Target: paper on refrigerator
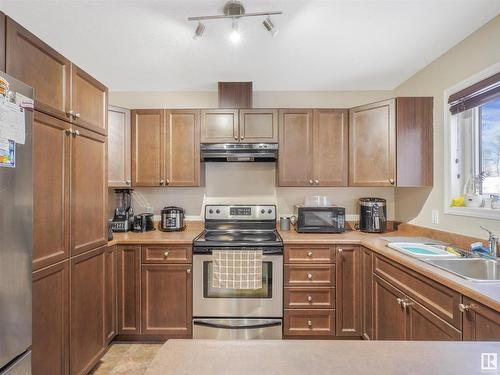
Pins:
x,y
12,121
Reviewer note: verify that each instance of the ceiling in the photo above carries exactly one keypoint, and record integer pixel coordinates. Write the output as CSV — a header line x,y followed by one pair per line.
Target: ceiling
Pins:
x,y
146,45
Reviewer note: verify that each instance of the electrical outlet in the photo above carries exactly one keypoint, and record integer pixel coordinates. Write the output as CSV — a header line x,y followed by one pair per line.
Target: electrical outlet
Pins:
x,y
435,217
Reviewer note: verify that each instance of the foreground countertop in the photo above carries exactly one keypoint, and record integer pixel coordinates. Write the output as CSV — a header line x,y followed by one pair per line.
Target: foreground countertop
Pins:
x,y
262,357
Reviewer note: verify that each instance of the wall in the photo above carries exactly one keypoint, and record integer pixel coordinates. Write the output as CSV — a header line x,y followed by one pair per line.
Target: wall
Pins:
x,y
474,54
248,182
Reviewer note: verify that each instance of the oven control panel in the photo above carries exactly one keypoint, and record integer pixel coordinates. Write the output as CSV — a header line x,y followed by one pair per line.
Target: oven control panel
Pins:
x,y
240,212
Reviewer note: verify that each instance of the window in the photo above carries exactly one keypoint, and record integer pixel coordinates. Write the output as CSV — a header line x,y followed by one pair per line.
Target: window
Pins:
x,y
489,147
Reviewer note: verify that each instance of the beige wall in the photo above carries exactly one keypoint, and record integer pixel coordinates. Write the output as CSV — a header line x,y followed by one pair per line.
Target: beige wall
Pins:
x,y
474,54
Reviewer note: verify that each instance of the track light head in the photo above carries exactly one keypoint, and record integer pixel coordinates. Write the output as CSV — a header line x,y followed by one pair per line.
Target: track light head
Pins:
x,y
268,24
200,29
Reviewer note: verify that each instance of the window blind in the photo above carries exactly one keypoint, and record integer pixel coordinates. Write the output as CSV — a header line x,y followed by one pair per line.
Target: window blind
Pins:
x,y
475,95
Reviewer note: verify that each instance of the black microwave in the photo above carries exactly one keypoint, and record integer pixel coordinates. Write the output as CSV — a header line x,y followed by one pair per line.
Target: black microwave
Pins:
x,y
320,219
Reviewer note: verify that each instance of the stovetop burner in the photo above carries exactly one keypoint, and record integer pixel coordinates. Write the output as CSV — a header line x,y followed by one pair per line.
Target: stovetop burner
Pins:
x,y
210,236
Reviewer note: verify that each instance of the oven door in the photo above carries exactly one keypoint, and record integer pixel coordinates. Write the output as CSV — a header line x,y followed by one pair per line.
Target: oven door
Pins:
x,y
242,303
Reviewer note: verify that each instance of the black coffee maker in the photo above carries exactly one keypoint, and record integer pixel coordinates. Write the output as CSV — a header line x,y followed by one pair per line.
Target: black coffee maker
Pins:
x,y
123,220
372,215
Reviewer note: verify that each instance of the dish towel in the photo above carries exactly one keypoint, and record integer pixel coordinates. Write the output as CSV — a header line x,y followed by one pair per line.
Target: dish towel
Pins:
x,y
237,269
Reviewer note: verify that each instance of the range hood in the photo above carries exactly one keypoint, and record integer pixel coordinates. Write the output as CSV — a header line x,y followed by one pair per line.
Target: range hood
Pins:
x,y
239,152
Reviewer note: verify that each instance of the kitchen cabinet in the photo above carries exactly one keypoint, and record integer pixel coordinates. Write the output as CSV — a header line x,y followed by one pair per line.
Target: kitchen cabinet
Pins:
x,y
129,289
258,125
167,254
348,290
51,201
423,325
313,147
167,299
87,300
119,147
50,346
3,20
88,191
235,94
219,126
309,323
366,293
389,321
480,323
110,288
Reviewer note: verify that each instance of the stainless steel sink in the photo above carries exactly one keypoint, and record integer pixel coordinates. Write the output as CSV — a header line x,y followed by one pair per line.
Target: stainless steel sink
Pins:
x,y
473,269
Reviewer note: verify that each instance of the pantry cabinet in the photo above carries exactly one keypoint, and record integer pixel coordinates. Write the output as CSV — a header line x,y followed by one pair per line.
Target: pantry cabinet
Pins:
x,y
119,147
480,323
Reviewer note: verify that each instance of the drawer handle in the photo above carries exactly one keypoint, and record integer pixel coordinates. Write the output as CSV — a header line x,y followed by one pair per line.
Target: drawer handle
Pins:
x,y
405,304
310,254
341,251
309,299
399,301
309,276
166,254
464,308
309,323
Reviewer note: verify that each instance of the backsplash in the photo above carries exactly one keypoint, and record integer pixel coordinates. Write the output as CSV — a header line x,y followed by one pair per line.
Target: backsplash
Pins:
x,y
247,183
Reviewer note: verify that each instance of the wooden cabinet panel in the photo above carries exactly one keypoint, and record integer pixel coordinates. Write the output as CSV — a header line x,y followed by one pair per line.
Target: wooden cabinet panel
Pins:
x,y
182,162
110,294
388,316
372,144
348,291
148,130
366,293
88,191
295,147
50,348
309,298
27,57
235,94
259,125
87,341
310,254
219,126
89,101
167,254
3,20
422,325
309,323
309,275
480,323
166,299
119,147
330,147
129,289
51,150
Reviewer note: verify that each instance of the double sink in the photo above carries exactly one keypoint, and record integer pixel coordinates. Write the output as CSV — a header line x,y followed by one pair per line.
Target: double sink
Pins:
x,y
463,264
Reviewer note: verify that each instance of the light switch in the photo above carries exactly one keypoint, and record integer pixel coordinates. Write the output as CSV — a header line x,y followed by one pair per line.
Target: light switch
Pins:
x,y
435,217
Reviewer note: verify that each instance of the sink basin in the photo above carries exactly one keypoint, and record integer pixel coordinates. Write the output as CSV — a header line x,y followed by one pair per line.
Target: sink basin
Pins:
x,y
420,251
473,269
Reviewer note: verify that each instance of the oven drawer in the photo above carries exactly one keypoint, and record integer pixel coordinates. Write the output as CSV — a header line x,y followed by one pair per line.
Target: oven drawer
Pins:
x,y
310,254
166,254
237,329
309,298
309,323
309,275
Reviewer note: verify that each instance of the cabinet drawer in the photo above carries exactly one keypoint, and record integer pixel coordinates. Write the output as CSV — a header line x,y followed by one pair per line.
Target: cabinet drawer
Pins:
x,y
309,298
166,254
309,254
439,299
309,275
309,323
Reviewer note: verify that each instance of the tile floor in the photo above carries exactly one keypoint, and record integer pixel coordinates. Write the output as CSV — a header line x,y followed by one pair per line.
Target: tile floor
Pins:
x,y
126,358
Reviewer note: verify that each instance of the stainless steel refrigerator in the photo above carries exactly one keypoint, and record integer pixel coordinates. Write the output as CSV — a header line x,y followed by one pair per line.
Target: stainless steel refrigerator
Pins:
x,y
16,206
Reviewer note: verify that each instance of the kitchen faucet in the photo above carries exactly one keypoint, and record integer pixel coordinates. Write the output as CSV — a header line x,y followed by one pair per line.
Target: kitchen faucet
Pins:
x,y
492,242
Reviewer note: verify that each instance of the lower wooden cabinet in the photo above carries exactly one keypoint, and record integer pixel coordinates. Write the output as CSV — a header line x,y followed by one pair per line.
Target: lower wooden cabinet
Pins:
x,y
167,299
310,323
366,293
110,325
480,323
129,289
423,325
50,347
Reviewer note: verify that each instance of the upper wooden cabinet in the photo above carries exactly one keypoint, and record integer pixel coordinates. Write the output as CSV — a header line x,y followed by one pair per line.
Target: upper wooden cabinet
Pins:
x,y
3,20
377,130
313,147
258,125
119,147
235,94
219,125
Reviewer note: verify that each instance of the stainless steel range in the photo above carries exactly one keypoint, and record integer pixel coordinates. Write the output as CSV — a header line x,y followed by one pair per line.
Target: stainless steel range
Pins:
x,y
238,313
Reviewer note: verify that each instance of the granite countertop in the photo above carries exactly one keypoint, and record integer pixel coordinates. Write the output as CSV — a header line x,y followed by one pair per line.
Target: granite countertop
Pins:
x,y
301,357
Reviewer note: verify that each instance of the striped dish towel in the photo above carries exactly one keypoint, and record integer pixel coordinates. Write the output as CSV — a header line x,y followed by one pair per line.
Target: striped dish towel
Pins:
x,y
237,269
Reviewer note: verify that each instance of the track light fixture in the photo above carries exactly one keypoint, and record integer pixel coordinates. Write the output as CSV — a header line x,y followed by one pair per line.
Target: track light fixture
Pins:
x,y
269,25
200,29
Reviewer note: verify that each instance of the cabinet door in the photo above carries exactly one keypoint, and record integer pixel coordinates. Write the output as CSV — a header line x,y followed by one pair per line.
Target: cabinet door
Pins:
x,y
366,293
38,65
182,157
89,101
348,291
119,147
309,323
480,323
295,145
166,299
3,20
50,348
88,191
423,325
51,150
388,315
219,126
148,131
330,146
259,125
87,340
129,289
110,294
372,144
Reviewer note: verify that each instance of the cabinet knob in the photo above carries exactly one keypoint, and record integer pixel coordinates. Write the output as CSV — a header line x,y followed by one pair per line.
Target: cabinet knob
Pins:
x,y
166,254
309,298
70,114
464,308
310,254
309,276
167,181
76,133
188,270
236,137
309,323
391,181
399,301
340,251
405,304
127,182
77,115
316,182
242,137
68,131
162,182
310,182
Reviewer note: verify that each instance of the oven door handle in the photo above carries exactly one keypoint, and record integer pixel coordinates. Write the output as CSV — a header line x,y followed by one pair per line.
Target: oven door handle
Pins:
x,y
266,324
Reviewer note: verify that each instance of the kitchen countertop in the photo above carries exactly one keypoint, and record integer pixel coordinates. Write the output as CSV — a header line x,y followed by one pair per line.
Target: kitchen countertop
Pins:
x,y
262,357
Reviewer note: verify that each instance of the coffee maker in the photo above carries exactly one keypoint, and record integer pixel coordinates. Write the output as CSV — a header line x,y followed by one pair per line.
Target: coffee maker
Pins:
x,y
123,220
